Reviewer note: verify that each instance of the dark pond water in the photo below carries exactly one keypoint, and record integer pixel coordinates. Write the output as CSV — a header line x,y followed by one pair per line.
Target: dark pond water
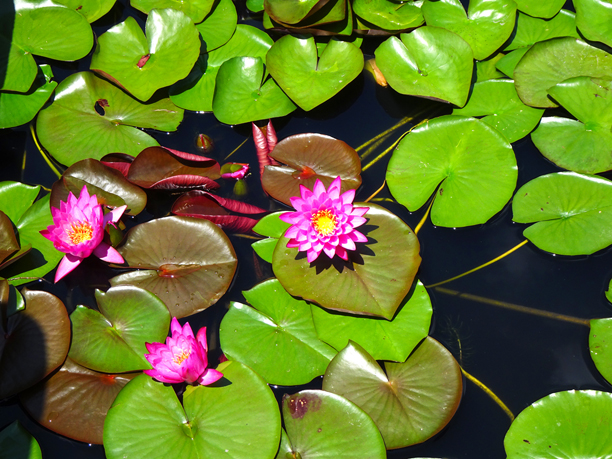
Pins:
x,y
520,356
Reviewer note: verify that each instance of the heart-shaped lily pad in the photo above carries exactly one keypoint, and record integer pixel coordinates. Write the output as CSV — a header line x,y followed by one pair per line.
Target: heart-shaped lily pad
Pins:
x,y
34,343
429,62
17,442
147,419
187,262
276,337
274,228
390,15
487,70
378,274
572,212
600,346
142,65
20,108
196,91
545,9
553,61
113,339
331,13
310,80
470,166
320,424
219,25
530,30
568,424
486,26
310,157
584,145
73,402
411,402
508,63
195,9
8,239
71,128
243,94
292,12
594,19
502,109
16,198
383,339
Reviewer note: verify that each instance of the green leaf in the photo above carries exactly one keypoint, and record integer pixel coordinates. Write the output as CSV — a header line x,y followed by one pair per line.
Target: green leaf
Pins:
x,y
91,9
429,62
507,64
378,274
147,419
600,346
594,19
562,425
188,263
530,30
17,442
572,212
322,425
276,337
409,404
289,12
553,61
486,26
309,81
219,26
243,94
390,15
470,166
71,129
16,198
113,339
274,228
545,9
142,65
195,9
502,109
609,292
487,70
383,339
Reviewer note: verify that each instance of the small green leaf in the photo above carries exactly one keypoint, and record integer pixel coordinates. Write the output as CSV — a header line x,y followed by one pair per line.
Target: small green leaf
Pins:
x,y
17,443
530,30
594,19
546,9
600,346
195,9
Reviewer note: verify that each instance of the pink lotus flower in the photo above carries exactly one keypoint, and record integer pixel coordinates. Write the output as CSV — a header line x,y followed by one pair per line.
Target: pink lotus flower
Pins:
x,y
234,171
182,359
325,221
78,231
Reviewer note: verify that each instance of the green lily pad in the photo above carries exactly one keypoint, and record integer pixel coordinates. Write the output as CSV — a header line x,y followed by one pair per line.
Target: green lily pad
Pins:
x,y
499,104
508,63
256,6
71,129
429,62
609,292
309,81
530,30
470,166
196,91
243,93
16,198
331,13
572,212
91,9
291,12
34,343
487,70
568,424
307,158
19,108
195,9
323,425
219,25
390,15
147,419
274,228
584,145
74,400
17,442
113,339
384,340
486,26
276,337
33,27
187,262
600,346
412,402
545,9
142,65
378,274
594,19
553,61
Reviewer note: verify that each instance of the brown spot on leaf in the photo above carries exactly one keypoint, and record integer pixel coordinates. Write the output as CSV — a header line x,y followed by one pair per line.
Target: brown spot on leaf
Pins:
x,y
441,191
527,441
143,60
300,404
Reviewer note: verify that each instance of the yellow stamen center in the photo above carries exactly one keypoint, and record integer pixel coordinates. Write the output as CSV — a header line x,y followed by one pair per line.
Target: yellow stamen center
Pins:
x,y
180,358
80,232
324,222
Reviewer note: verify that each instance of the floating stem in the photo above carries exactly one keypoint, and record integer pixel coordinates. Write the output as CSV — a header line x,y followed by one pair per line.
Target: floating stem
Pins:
x,y
236,149
490,393
377,191
42,152
424,219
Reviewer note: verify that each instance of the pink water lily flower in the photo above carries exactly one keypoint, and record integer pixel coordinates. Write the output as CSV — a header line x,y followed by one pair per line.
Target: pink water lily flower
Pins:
x,y
324,221
182,359
234,171
78,231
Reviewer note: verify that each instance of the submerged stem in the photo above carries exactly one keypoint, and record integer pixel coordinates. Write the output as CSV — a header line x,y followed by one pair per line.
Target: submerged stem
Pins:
x,y
237,148
424,219
44,155
481,266
377,191
490,393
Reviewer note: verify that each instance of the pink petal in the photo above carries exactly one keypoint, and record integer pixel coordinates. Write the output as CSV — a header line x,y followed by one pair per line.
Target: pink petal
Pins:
x,y
165,377
175,327
108,253
312,255
210,376
114,215
201,338
348,196
358,237
68,263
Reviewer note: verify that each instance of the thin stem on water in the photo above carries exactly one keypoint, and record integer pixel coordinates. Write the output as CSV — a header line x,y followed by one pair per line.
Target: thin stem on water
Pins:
x,y
42,152
237,148
481,266
377,191
490,393
424,219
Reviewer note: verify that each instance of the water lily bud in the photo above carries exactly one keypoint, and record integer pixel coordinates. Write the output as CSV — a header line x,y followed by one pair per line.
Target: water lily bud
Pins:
x,y
205,143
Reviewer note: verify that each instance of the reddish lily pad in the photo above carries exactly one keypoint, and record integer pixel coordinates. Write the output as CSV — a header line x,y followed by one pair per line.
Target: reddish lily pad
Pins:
x,y
378,274
74,401
34,343
308,157
110,186
8,239
159,167
412,402
187,262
